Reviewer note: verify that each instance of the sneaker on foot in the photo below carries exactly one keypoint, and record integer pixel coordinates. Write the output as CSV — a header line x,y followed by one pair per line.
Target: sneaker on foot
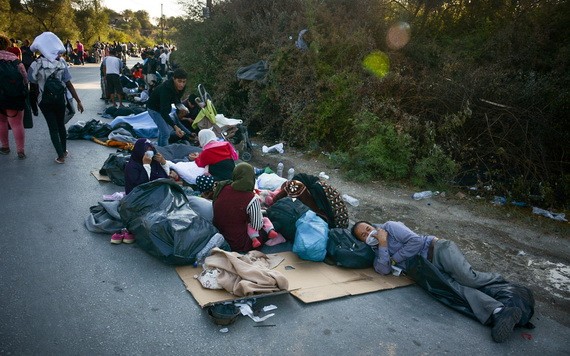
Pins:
x,y
21,155
272,234
60,160
117,238
255,242
4,150
66,154
128,237
504,323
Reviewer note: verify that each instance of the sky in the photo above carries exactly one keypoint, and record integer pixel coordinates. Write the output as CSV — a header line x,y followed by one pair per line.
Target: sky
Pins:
x,y
170,7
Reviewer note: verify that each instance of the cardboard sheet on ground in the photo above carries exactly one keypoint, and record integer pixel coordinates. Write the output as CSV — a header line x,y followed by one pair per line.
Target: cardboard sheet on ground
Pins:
x,y
308,281
99,176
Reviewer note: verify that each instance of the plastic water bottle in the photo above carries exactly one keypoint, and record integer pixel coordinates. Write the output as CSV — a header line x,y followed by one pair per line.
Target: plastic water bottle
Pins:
x,y
280,169
290,173
350,200
423,195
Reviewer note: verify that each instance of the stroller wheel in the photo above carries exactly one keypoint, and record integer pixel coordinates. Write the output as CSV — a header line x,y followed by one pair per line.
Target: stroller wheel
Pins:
x,y
245,156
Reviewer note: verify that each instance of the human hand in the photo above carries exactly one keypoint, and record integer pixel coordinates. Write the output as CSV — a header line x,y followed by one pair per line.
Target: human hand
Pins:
x,y
179,132
382,237
80,107
192,156
159,158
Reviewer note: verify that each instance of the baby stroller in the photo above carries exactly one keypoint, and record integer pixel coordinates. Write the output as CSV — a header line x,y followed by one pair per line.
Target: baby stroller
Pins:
x,y
231,130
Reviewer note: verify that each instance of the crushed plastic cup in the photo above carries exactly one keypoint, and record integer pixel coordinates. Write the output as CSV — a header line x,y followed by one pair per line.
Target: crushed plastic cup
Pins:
x,y
272,149
424,195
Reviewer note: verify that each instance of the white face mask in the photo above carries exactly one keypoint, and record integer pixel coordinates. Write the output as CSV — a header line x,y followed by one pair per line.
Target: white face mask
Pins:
x,y
371,239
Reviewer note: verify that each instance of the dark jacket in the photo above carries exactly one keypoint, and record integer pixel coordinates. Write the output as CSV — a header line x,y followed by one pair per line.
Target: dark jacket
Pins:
x,y
135,174
162,98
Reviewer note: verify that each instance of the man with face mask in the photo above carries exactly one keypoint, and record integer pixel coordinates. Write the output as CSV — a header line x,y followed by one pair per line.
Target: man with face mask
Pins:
x,y
395,244
159,106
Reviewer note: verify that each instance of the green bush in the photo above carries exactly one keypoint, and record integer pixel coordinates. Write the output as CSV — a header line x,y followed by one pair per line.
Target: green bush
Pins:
x,y
378,151
437,169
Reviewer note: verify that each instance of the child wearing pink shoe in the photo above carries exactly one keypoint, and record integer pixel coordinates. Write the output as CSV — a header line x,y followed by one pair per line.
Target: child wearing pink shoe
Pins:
x,y
254,233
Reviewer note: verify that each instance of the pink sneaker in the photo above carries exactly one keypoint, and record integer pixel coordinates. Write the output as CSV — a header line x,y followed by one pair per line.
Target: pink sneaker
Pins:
x,y
128,237
117,238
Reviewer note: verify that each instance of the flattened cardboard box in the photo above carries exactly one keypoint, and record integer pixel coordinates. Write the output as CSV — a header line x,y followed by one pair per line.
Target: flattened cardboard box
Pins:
x,y
308,281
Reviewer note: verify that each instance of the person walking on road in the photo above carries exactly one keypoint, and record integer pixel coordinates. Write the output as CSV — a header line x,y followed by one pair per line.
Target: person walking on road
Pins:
x,y
52,68
80,52
112,67
12,99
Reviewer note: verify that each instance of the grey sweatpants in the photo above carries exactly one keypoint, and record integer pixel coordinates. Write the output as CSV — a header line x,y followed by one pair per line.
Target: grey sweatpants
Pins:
x,y
449,259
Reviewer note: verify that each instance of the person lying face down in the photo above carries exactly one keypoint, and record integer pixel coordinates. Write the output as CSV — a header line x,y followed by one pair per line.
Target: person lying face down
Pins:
x,y
394,244
144,165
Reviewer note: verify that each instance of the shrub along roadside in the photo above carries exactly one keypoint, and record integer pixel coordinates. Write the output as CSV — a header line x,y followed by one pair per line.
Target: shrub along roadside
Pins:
x,y
465,102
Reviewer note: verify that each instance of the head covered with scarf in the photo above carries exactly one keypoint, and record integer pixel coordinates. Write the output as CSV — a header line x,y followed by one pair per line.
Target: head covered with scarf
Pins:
x,y
206,136
243,179
135,173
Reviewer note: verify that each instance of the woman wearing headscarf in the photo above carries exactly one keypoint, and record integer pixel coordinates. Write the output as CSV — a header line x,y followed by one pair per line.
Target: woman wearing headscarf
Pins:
x,y
236,206
218,156
144,165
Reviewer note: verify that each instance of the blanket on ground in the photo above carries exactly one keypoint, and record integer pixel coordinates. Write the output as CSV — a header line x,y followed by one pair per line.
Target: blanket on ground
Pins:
x,y
246,275
142,123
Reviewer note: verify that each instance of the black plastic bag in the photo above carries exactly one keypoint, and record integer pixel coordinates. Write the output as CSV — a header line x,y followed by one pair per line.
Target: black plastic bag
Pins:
x,y
165,226
345,250
114,167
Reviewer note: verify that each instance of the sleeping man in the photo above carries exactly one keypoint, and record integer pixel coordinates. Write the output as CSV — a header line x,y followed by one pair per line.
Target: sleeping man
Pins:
x,y
396,245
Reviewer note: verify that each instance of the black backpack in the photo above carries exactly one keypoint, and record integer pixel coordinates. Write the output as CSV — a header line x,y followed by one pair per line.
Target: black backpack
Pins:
x,y
54,91
345,250
13,91
284,213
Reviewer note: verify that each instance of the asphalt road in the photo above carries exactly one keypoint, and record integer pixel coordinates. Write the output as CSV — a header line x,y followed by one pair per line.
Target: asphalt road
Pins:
x,y
67,291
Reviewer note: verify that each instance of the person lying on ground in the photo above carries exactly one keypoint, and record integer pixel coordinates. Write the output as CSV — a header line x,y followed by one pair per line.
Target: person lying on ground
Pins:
x,y
144,165
395,244
236,207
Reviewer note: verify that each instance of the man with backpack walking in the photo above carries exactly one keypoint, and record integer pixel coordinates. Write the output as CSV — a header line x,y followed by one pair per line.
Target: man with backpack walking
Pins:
x,y
51,73
13,92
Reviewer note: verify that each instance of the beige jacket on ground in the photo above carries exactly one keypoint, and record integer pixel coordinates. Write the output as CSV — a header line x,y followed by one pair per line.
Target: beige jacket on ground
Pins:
x,y
249,274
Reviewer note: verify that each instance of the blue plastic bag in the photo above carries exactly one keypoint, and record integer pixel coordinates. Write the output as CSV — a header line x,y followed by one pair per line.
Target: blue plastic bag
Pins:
x,y
311,237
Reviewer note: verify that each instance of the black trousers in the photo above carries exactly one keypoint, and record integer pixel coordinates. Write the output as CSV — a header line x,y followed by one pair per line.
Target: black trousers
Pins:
x,y
55,115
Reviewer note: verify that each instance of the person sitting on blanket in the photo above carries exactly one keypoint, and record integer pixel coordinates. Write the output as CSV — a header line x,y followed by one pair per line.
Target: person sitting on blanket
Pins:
x,y
218,157
394,244
144,165
237,209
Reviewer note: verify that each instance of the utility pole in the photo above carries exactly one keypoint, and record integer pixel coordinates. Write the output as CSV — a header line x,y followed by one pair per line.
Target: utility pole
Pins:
x,y
207,11
162,23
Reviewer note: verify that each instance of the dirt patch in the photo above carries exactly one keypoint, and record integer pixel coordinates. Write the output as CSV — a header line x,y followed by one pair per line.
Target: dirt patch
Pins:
x,y
525,248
